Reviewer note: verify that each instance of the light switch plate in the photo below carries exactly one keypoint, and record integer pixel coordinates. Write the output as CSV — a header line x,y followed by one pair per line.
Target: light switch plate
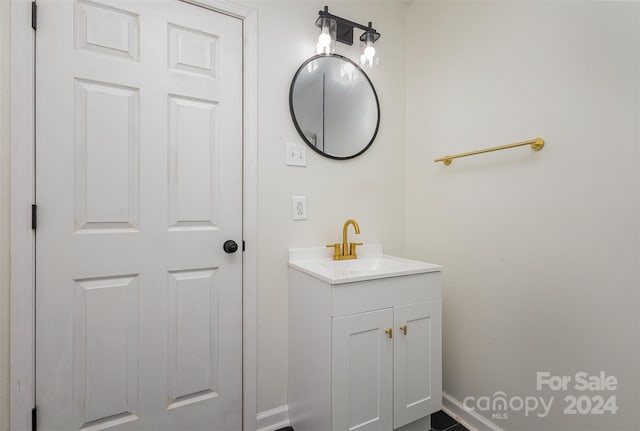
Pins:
x,y
299,206
296,154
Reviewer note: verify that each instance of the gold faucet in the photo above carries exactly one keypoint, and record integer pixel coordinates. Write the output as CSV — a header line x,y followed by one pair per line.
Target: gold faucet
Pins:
x,y
348,250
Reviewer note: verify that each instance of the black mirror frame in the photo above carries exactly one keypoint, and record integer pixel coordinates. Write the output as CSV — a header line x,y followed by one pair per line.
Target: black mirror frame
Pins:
x,y
297,126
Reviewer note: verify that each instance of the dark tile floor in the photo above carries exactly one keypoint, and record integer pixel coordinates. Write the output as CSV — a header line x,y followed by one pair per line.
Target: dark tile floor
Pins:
x,y
440,421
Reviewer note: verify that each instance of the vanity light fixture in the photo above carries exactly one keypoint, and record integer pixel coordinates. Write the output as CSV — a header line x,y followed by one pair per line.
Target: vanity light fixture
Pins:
x,y
368,38
327,40
335,28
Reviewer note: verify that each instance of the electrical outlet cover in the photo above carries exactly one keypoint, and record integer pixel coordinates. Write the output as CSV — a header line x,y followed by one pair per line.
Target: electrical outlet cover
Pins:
x,y
299,207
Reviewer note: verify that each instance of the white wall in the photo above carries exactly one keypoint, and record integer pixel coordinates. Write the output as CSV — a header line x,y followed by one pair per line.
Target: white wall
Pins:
x,y
4,214
369,188
540,249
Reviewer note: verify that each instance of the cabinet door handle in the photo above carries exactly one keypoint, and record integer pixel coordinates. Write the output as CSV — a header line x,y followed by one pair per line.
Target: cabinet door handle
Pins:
x,y
403,328
389,332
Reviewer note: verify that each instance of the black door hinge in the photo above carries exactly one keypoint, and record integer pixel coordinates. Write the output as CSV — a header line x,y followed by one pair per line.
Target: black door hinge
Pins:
x,y
34,15
34,418
242,245
34,216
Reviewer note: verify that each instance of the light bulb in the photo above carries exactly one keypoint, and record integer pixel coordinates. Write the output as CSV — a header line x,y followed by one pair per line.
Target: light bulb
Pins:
x,y
369,52
325,38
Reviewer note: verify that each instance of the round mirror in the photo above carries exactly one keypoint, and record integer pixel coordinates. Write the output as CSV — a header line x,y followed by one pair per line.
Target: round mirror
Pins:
x,y
334,106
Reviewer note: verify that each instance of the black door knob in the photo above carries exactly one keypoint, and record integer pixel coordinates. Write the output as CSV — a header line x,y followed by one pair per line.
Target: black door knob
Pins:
x,y
230,246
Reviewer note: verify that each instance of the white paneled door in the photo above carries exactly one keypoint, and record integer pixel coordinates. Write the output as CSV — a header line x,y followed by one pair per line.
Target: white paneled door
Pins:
x,y
139,185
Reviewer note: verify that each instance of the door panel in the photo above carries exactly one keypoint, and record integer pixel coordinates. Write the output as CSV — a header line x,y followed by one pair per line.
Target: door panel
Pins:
x,y
106,149
139,183
193,51
417,361
193,155
193,337
106,29
362,371
105,357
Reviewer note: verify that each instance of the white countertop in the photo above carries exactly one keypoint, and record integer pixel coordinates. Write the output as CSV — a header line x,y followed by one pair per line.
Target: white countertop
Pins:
x,y
371,264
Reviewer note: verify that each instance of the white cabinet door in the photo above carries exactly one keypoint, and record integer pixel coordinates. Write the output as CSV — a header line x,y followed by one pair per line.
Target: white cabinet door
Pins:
x,y
417,359
139,183
362,366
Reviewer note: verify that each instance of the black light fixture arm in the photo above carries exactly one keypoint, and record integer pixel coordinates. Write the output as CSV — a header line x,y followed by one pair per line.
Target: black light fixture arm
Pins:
x,y
344,31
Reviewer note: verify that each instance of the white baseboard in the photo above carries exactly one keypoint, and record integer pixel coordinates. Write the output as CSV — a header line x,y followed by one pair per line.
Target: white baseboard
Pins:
x,y
273,419
470,419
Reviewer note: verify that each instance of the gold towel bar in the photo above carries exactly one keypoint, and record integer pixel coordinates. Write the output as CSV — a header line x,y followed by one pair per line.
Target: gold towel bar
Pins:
x,y
536,145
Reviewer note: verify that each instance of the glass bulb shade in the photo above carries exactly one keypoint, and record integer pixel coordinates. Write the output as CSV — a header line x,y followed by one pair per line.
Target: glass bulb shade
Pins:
x,y
327,38
368,55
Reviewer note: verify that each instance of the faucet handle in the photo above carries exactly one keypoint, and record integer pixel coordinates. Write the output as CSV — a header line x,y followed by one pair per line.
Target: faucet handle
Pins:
x,y
336,250
352,248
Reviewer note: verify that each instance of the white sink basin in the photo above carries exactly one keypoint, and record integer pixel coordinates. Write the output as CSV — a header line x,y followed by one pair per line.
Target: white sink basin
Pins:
x,y
371,264
384,263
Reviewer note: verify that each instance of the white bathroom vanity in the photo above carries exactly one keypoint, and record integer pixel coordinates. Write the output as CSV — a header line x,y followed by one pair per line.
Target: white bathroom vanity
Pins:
x,y
365,341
